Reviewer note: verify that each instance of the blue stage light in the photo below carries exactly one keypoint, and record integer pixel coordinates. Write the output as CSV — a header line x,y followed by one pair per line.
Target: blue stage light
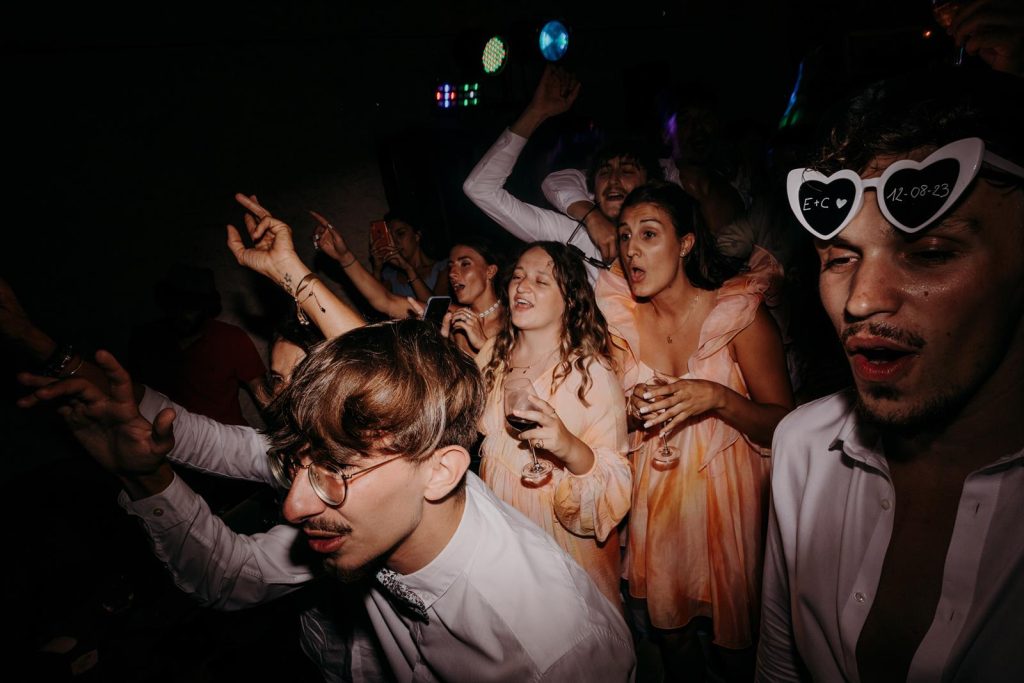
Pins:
x,y
553,40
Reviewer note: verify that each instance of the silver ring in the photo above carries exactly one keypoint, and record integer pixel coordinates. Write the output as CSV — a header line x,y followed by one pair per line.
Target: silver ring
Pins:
x,y
539,443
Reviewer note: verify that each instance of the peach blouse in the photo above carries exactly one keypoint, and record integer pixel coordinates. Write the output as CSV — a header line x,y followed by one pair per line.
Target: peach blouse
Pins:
x,y
581,512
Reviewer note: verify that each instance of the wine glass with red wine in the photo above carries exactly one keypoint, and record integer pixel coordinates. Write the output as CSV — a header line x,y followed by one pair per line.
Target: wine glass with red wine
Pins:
x,y
517,397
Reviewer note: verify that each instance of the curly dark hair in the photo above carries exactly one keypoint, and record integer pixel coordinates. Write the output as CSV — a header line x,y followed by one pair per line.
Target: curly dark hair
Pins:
x,y
706,267
634,150
584,337
927,109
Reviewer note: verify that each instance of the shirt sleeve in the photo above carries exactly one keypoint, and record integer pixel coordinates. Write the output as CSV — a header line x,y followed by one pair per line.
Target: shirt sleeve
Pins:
x,y
203,444
565,188
777,658
593,504
208,560
485,187
601,656
737,238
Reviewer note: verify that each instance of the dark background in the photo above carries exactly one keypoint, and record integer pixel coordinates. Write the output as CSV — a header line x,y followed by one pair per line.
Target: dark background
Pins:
x,y
128,129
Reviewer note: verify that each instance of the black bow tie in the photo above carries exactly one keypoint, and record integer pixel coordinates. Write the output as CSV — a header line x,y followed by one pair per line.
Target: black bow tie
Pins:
x,y
402,595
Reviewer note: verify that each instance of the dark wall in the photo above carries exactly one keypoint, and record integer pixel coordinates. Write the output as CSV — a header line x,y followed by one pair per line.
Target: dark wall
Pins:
x,y
128,133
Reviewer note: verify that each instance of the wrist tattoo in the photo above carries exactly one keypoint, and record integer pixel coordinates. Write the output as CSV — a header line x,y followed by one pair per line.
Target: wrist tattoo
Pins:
x,y
287,283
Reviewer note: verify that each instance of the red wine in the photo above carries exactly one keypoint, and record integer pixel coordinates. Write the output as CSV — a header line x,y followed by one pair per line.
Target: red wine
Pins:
x,y
519,425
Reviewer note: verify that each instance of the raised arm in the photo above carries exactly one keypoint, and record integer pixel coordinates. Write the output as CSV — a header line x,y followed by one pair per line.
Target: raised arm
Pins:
x,y
330,241
207,559
383,253
203,444
485,185
994,31
20,333
220,568
273,254
566,190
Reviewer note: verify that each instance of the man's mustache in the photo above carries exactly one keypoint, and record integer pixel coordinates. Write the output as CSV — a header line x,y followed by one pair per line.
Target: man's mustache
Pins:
x,y
884,331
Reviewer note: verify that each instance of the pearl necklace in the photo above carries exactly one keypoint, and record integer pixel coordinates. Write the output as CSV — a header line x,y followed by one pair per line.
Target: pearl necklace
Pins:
x,y
490,310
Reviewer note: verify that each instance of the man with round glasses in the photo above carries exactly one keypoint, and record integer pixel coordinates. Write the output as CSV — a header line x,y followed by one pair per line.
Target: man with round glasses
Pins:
x,y
894,550
371,442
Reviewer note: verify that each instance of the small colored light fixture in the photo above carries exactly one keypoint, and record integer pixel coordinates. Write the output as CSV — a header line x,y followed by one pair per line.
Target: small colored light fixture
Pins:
x,y
444,95
495,55
553,40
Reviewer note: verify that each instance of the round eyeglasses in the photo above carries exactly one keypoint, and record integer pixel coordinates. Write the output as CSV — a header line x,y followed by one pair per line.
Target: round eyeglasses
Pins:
x,y
328,483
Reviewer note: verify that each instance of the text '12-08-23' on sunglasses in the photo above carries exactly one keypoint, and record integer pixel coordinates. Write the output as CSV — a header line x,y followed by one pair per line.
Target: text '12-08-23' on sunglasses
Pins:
x,y
911,194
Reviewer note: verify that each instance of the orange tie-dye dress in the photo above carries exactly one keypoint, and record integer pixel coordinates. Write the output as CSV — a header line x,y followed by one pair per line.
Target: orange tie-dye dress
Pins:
x,y
695,535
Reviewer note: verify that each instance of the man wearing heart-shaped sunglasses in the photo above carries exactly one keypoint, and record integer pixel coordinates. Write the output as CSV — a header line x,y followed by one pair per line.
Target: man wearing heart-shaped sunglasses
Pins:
x,y
894,547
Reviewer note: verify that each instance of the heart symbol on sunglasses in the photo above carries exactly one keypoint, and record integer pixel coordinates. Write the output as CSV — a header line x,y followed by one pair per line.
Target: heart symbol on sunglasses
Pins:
x,y
910,194
825,202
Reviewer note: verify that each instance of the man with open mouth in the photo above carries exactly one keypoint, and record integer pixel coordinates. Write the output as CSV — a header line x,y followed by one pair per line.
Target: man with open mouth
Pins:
x,y
894,547
590,225
370,441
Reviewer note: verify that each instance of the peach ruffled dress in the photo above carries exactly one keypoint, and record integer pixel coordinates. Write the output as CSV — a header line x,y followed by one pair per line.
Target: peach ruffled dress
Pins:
x,y
695,538
581,512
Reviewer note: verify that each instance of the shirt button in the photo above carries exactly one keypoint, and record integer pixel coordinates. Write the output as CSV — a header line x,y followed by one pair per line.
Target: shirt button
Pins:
x,y
158,512
886,504
859,597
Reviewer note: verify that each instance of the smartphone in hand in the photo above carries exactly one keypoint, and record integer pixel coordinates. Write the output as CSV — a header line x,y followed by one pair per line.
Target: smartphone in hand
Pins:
x,y
380,235
437,306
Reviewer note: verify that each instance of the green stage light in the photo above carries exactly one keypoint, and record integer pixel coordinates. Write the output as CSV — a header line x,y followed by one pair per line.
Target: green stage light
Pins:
x,y
469,95
495,55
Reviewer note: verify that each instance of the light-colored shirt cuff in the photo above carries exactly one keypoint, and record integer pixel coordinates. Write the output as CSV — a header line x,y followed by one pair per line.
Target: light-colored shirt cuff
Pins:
x,y
163,510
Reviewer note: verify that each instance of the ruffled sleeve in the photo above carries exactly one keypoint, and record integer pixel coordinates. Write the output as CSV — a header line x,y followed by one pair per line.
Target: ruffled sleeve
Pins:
x,y
594,503
737,302
619,309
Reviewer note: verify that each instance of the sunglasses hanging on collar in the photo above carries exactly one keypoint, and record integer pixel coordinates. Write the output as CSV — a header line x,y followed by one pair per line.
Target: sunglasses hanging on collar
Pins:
x,y
911,194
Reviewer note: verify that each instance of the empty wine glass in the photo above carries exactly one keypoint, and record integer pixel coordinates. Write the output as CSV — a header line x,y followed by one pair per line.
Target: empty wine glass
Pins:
x,y
517,397
665,454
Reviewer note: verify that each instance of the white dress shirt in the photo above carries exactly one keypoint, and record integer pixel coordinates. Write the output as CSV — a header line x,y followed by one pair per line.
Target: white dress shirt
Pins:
x,y
829,529
568,186
485,187
504,603
231,571
205,557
